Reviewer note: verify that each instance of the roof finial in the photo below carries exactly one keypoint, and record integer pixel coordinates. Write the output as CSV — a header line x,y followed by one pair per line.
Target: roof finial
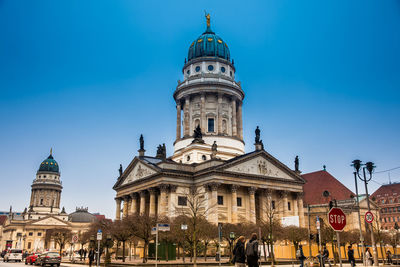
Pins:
x,y
207,15
51,151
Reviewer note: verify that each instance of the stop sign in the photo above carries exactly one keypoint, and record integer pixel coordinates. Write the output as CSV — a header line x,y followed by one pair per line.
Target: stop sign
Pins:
x,y
337,219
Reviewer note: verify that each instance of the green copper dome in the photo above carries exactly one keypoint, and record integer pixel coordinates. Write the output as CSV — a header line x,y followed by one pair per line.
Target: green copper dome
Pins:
x,y
208,45
49,165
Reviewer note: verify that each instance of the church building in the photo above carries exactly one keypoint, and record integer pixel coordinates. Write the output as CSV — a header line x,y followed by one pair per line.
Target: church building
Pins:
x,y
209,152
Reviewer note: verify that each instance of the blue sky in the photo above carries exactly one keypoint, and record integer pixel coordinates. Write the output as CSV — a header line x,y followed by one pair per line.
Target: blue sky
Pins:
x,y
321,80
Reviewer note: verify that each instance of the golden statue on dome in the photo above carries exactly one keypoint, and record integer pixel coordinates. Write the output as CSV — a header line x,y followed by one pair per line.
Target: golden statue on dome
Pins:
x,y
207,15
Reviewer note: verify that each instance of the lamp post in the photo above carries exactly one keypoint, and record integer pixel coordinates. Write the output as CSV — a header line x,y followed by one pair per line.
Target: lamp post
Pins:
x,y
232,237
369,166
396,227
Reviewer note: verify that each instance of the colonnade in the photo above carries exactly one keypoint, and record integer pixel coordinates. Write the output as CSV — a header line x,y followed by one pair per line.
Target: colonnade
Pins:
x,y
236,116
162,201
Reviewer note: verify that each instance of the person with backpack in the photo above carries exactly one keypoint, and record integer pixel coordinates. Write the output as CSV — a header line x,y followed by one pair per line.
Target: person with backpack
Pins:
x,y
252,251
325,257
300,255
239,255
350,254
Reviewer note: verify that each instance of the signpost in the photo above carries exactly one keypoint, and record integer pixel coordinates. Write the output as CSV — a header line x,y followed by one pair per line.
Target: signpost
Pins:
x,y
369,217
337,220
318,226
99,238
163,227
74,240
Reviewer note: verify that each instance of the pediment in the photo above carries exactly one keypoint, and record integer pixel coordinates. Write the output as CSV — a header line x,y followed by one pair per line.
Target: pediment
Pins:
x,y
261,165
50,221
139,171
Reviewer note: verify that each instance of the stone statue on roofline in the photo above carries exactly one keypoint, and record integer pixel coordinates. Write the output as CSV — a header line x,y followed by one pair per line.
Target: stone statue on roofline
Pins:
x,y
197,135
258,142
120,170
141,141
296,163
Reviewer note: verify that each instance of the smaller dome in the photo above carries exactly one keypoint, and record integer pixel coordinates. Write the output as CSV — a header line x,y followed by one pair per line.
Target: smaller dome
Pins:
x,y
49,165
81,215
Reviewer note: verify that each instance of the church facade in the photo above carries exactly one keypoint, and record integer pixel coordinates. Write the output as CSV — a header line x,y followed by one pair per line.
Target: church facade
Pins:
x,y
209,152
27,230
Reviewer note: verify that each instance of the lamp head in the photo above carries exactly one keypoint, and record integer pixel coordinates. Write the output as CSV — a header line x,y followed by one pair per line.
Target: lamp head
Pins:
x,y
356,164
370,167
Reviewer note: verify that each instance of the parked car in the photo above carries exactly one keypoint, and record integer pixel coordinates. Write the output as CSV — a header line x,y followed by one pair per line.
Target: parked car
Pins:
x,y
31,258
13,255
48,258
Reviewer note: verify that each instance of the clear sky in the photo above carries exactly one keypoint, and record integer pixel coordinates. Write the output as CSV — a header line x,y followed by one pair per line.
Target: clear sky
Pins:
x,y
321,80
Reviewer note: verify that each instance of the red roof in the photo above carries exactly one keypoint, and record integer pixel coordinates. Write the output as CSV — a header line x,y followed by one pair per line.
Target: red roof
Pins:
x,y
319,181
389,189
100,217
3,219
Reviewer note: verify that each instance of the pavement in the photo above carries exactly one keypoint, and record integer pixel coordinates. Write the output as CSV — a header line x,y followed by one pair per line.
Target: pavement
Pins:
x,y
179,263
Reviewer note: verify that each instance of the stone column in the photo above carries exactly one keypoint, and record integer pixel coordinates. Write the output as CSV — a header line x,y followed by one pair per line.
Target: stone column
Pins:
x,y
301,209
142,202
234,203
284,195
125,208
178,121
186,119
252,191
163,200
240,121
234,120
295,205
171,201
219,114
203,123
152,210
118,209
134,199
213,204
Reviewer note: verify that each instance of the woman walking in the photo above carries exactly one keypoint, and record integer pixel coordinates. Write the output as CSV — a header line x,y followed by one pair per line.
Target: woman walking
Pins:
x,y
239,255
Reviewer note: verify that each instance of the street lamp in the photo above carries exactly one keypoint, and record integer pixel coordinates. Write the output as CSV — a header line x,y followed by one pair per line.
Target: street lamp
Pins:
x,y
369,166
396,227
232,237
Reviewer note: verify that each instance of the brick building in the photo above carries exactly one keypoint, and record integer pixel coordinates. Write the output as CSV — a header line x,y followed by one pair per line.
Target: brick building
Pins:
x,y
387,197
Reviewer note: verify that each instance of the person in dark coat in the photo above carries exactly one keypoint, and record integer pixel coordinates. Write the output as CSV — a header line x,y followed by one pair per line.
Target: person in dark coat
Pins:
x,y
91,256
84,254
239,254
350,254
252,251
301,256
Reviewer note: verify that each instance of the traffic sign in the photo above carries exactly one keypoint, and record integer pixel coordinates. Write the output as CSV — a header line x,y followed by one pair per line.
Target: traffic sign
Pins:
x,y
154,230
369,217
99,235
337,219
163,227
75,238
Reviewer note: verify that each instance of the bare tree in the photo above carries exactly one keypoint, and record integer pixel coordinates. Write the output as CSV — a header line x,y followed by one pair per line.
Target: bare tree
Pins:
x,y
195,211
140,225
295,235
207,233
121,232
61,236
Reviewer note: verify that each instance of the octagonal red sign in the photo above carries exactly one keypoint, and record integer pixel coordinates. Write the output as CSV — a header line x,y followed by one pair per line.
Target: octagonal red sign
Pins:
x,y
337,219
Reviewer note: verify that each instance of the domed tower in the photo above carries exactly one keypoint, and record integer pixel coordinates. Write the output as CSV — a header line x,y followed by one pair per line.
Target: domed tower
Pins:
x,y
46,188
208,97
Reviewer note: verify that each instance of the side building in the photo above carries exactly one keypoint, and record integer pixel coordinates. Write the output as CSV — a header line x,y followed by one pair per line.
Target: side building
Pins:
x,y
27,230
387,198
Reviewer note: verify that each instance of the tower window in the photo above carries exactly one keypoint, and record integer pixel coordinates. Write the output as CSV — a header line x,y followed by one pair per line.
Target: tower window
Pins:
x,y
220,200
211,125
231,73
210,67
188,72
188,158
223,69
239,201
288,205
197,68
41,201
273,204
204,157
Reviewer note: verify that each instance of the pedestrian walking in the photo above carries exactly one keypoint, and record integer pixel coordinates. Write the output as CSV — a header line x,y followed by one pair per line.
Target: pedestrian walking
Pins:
x,y
252,251
300,255
325,257
350,254
84,254
239,254
91,256
389,257
368,258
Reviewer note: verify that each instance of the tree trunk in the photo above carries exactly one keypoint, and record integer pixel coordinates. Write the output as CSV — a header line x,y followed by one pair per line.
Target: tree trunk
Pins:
x,y
145,252
134,250
123,251
383,255
116,251
195,252
166,252
130,250
265,254
333,252
272,255
205,250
